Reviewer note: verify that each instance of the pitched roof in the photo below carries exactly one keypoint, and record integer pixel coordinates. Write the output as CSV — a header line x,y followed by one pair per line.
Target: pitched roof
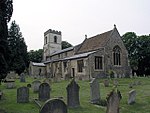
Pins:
x,y
94,42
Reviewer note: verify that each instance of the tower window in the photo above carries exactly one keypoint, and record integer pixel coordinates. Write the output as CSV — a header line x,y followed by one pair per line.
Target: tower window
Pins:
x,y
117,56
46,40
55,39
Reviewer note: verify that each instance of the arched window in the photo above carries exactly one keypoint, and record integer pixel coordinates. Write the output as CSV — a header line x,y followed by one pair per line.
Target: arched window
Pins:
x,y
55,39
117,56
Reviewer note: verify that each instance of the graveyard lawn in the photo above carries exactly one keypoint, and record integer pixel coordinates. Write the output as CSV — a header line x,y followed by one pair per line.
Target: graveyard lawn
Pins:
x,y
142,102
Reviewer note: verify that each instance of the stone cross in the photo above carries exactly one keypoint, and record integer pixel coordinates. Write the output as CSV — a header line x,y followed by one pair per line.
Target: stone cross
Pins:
x,y
44,92
73,94
113,101
35,85
54,106
22,95
95,91
132,95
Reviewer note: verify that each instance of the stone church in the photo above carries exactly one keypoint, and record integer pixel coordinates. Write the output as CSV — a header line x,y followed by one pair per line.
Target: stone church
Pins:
x,y
94,57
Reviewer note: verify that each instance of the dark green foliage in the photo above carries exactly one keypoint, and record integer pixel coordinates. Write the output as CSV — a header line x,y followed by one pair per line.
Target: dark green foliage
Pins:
x,y
35,56
6,9
18,49
65,44
139,52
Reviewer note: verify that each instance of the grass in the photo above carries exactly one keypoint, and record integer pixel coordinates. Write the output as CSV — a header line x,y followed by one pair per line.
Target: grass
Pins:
x,y
142,105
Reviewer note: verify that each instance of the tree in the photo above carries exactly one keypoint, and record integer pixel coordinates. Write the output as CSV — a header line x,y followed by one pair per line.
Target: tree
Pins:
x,y
139,52
131,42
35,56
144,55
65,44
6,10
18,49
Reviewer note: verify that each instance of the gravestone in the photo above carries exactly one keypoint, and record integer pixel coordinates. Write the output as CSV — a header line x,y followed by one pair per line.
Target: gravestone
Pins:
x,y
95,92
22,77
132,95
35,85
22,95
106,83
44,92
115,82
73,94
10,84
54,106
113,101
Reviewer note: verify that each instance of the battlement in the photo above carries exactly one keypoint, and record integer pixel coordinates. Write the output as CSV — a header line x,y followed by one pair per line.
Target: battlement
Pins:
x,y
52,31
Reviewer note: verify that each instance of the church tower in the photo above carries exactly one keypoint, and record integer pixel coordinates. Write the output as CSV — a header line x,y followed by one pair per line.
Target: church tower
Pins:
x,y
52,43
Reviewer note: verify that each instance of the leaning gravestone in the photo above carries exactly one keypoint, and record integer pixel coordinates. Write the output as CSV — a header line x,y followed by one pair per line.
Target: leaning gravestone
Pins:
x,y
73,94
22,77
113,100
22,95
54,106
44,92
95,92
35,85
132,95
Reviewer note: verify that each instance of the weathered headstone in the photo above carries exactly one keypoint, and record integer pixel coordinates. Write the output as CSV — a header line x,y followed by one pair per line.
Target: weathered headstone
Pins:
x,y
22,77
35,85
10,84
73,94
95,92
115,82
22,95
106,83
54,106
44,92
132,95
113,100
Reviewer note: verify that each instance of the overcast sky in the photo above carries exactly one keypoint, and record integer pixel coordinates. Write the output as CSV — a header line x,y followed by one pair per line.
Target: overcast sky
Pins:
x,y
75,18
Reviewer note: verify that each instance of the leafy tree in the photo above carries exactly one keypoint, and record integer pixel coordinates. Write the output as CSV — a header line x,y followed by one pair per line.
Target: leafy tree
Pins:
x,y
139,52
18,49
131,42
6,9
144,55
65,44
35,56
